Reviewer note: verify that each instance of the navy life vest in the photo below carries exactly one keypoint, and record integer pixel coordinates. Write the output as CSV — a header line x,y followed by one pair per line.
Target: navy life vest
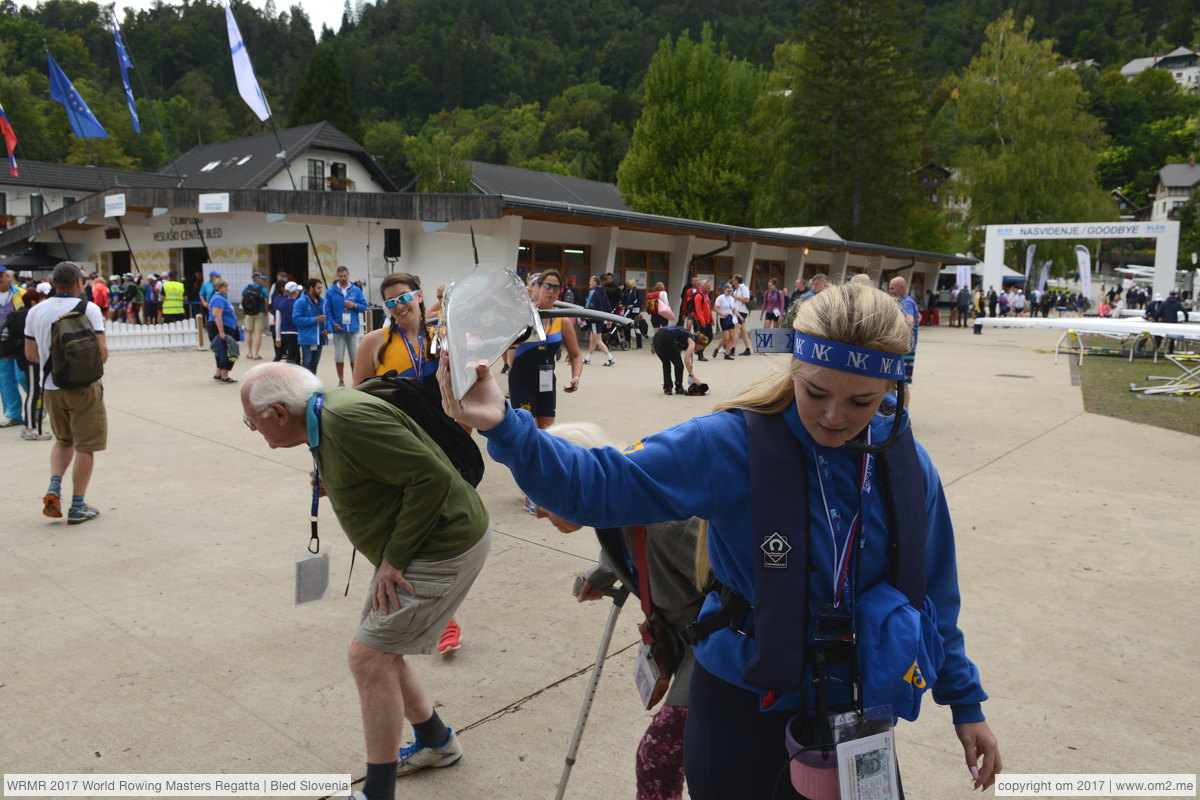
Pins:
x,y
781,611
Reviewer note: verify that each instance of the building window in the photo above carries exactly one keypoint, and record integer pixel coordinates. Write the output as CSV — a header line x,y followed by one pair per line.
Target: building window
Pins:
x,y
3,204
67,200
36,205
316,175
655,264
572,260
718,268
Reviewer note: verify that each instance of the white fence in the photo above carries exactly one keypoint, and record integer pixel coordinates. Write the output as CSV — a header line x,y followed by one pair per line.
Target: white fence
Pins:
x,y
123,336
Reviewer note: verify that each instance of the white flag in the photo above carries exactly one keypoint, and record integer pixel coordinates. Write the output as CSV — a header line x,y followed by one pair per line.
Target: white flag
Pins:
x,y
1084,256
1045,275
247,83
1029,262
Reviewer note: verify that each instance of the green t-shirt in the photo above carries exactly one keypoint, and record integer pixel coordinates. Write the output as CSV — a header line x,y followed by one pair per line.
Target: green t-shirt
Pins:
x,y
395,493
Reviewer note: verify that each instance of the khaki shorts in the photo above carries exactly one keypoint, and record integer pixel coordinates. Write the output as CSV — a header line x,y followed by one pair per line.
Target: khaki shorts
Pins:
x,y
77,417
439,587
257,322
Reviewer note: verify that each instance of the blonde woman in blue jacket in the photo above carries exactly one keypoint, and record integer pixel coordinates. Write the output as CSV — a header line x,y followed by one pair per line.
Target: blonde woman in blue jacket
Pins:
x,y
844,545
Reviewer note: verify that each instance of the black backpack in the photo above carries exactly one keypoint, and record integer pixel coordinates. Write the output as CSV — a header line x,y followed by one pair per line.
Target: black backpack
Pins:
x,y
74,350
422,402
12,334
252,299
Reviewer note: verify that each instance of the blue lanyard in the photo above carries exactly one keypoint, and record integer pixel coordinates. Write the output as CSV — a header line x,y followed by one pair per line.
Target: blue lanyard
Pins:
x,y
844,536
417,363
313,423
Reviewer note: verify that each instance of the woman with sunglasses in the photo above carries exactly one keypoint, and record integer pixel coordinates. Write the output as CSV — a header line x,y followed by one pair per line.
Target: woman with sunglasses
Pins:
x,y
531,381
403,343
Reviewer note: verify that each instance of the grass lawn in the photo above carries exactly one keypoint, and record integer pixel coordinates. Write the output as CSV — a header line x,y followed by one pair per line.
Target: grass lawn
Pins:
x,y
1106,380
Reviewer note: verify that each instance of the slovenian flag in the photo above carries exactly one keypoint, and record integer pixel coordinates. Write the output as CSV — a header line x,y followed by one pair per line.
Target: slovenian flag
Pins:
x,y
125,62
10,139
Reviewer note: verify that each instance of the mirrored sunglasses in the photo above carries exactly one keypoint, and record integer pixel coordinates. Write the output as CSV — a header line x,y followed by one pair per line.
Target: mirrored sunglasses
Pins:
x,y
405,298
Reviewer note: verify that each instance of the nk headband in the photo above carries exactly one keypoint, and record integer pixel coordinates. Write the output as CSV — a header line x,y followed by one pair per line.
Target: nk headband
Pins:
x,y
848,358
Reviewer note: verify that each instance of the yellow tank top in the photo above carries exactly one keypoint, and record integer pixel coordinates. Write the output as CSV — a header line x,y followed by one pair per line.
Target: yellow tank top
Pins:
x,y
398,356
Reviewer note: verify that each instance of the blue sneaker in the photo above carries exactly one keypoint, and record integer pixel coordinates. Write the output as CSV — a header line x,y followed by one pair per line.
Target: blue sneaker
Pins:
x,y
416,756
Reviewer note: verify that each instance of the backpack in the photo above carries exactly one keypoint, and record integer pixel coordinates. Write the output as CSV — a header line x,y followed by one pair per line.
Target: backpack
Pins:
x,y
252,300
12,334
74,350
423,404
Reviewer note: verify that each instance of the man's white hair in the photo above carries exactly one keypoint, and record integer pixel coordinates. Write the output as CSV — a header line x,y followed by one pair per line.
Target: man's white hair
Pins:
x,y
282,383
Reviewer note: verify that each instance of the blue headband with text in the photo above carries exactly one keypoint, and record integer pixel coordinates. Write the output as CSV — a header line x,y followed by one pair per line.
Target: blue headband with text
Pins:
x,y
848,358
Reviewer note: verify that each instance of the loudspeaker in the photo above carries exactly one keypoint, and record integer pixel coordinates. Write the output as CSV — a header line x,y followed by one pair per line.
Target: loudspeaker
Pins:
x,y
391,242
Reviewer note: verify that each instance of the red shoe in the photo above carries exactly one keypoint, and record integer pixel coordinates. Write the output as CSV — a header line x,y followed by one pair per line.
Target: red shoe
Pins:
x,y
449,641
52,505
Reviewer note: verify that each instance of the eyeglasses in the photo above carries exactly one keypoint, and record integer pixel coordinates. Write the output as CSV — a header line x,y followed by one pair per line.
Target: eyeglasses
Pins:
x,y
249,420
405,298
554,287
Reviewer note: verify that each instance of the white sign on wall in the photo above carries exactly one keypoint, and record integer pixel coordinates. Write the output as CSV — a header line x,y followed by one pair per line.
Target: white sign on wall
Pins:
x,y
236,275
217,203
114,205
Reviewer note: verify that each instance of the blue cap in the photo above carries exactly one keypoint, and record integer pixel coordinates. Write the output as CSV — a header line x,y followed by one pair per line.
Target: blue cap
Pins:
x,y
3,268
214,272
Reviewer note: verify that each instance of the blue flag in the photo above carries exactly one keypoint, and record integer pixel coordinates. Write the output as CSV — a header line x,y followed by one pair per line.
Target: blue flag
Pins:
x,y
126,63
83,122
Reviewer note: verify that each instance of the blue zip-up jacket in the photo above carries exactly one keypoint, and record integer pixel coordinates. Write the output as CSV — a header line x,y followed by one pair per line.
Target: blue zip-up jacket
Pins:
x,y
281,305
304,314
335,306
607,488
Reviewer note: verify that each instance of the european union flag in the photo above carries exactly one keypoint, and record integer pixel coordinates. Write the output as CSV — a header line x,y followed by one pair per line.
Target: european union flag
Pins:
x,y
125,62
83,122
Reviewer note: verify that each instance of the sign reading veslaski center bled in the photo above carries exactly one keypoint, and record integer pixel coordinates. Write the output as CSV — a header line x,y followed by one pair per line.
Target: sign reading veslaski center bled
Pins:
x,y
187,229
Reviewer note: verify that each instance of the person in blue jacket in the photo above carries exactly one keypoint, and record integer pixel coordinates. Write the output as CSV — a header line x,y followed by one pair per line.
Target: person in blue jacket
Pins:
x,y
309,315
284,299
821,409
344,303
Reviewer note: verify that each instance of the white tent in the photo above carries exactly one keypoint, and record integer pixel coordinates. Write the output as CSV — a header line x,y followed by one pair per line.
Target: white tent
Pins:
x,y
977,269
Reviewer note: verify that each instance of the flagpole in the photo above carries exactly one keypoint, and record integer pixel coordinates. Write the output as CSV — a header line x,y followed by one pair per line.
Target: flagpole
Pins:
x,y
99,173
288,166
162,132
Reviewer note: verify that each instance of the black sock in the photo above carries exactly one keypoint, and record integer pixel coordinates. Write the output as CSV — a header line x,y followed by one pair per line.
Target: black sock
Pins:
x,y
432,732
380,783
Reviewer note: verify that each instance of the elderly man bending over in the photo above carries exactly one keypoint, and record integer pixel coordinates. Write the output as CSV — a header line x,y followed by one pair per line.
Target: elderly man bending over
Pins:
x,y
407,510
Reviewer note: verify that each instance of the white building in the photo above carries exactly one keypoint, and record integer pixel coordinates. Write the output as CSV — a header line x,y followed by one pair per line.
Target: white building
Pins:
x,y
1182,62
526,220
1171,188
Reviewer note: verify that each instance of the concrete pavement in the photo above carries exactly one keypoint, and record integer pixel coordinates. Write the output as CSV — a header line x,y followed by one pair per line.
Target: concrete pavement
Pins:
x,y
161,637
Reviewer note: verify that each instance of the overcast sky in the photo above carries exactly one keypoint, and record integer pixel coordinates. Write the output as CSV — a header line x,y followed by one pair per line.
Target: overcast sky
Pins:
x,y
328,12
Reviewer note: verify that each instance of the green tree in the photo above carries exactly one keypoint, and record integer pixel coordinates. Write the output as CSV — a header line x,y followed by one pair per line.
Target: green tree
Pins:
x,y
1034,150
385,142
1150,121
840,128
438,164
324,95
689,154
